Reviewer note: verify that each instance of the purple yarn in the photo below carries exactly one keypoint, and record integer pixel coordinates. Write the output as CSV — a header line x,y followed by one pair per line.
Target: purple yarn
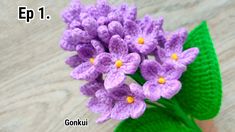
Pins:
x,y
109,43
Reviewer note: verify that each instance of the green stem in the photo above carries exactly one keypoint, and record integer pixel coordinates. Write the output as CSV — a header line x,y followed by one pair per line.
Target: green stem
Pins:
x,y
174,109
186,118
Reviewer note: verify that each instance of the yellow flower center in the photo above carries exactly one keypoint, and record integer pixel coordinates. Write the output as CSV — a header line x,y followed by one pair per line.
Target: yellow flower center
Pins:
x,y
161,80
118,63
140,40
92,60
174,56
130,99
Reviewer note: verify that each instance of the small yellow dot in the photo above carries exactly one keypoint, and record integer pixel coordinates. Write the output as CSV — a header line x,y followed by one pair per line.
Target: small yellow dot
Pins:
x,y
161,80
92,60
118,63
174,56
140,40
130,99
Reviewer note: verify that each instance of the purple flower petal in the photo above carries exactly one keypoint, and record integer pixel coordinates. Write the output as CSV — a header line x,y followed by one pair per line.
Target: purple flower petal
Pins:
x,y
75,24
120,93
171,42
81,36
173,74
138,108
103,7
115,28
103,33
95,106
161,39
132,14
189,55
103,62
90,25
161,54
149,69
114,16
175,43
66,45
114,79
68,41
85,71
118,46
85,51
89,89
131,28
67,16
97,46
102,94
159,23
73,61
149,45
131,63
170,88
137,90
182,33
152,90
72,12
93,11
147,24
101,103
102,20
120,111
176,64
84,15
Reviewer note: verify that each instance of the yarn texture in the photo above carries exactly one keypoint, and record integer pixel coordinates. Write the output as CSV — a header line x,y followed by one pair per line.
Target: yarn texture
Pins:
x,y
200,96
153,120
201,92
177,75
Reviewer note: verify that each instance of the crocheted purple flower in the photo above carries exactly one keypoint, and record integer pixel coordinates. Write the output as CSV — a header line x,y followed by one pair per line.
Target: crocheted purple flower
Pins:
x,y
73,61
129,102
173,53
87,70
73,37
162,81
123,13
83,23
112,24
142,37
100,20
110,42
117,63
72,12
101,103
90,88
78,12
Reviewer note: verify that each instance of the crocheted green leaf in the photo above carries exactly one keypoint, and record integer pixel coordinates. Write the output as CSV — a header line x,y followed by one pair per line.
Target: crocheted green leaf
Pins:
x,y
201,84
153,120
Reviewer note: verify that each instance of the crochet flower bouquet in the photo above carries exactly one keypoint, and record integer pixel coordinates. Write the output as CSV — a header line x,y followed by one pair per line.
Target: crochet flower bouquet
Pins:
x,y
176,76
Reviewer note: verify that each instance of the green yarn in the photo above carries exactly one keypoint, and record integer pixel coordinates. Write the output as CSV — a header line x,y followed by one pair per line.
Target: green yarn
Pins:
x,y
201,91
200,96
153,120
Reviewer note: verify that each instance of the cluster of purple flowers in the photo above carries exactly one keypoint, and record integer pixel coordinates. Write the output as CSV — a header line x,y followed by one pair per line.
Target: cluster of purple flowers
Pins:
x,y
109,43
